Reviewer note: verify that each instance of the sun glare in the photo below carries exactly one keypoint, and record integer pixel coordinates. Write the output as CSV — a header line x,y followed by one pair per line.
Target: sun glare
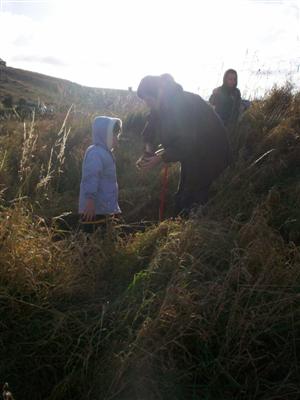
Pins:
x,y
115,43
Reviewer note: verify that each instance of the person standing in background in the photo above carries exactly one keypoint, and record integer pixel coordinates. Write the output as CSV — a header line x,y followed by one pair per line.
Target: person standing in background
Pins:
x,y
226,99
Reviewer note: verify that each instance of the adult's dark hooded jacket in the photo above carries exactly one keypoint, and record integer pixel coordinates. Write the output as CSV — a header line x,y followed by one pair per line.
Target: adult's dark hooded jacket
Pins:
x,y
190,132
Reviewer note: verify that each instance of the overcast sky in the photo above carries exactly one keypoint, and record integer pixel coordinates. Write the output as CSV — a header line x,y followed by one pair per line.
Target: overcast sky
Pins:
x,y
114,43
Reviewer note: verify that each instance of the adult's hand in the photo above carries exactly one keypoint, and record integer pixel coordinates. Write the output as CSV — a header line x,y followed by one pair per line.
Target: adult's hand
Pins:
x,y
149,162
89,212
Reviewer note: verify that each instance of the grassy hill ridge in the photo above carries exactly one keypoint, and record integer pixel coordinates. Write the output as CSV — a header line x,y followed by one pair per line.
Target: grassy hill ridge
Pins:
x,y
34,87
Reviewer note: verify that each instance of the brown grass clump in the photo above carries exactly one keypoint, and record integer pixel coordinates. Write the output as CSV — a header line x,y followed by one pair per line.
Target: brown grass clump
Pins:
x,y
201,309
224,324
57,299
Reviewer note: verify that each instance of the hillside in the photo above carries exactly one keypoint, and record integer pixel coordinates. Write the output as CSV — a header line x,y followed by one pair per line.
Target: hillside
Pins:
x,y
35,87
200,309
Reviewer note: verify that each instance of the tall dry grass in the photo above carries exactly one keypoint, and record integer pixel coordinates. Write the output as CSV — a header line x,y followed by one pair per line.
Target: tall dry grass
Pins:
x,y
201,309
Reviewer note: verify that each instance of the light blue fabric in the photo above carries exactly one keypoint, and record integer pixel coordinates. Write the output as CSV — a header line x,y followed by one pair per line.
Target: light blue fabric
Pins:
x,y
99,178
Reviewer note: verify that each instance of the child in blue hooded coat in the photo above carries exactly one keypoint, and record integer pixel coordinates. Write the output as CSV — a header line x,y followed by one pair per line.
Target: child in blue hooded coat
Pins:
x,y
99,188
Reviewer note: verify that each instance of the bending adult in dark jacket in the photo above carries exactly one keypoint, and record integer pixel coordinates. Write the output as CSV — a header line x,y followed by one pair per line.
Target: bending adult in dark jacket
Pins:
x,y
226,99
189,132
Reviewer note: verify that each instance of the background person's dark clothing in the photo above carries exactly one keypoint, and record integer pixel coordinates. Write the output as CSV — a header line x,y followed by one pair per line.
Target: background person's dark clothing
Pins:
x,y
227,104
226,99
190,133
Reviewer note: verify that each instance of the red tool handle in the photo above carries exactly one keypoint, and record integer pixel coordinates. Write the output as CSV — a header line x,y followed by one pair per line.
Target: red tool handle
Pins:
x,y
163,192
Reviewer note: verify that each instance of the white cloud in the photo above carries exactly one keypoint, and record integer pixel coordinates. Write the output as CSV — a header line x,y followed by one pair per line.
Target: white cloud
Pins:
x,y
39,59
114,43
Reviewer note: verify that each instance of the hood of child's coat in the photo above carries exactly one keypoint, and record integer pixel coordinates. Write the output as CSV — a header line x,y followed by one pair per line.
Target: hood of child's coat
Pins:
x,y
102,131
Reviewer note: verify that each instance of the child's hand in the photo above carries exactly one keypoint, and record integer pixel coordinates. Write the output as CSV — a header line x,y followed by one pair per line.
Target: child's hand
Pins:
x,y
89,212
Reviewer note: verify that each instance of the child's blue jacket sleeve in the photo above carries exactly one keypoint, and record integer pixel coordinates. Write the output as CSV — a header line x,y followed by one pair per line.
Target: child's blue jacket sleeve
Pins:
x,y
91,172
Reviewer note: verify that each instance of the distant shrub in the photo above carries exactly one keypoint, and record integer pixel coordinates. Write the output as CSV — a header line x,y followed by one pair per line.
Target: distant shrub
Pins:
x,y
8,101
